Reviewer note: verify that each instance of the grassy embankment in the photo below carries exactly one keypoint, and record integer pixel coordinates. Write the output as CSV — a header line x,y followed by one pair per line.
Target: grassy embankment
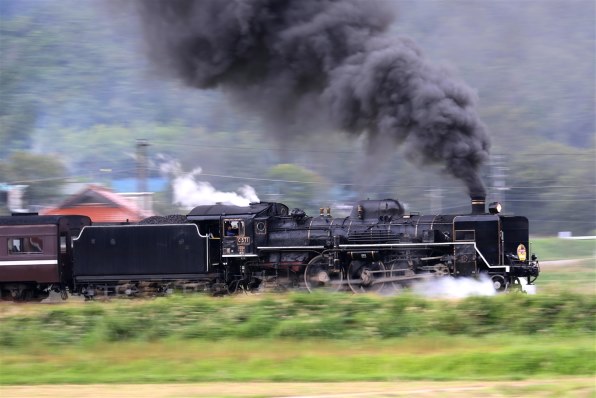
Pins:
x,y
299,337
552,248
566,264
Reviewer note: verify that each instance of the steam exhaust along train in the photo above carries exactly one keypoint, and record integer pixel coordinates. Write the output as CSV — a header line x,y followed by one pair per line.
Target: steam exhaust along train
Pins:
x,y
222,248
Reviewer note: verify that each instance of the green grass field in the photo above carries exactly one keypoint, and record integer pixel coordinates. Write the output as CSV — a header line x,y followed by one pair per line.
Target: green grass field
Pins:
x,y
411,358
577,276
553,248
298,337
566,265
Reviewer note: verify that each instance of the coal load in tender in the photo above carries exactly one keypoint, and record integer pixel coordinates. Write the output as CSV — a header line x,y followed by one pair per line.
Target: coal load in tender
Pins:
x,y
170,219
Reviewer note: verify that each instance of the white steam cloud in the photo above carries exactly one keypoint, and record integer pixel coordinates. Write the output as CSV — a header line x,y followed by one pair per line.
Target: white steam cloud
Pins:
x,y
188,192
449,287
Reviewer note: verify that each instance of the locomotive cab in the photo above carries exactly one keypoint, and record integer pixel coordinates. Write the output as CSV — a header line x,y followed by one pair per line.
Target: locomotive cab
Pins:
x,y
239,228
237,237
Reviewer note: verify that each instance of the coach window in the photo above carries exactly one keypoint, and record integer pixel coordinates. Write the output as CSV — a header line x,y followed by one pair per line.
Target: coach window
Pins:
x,y
25,245
15,245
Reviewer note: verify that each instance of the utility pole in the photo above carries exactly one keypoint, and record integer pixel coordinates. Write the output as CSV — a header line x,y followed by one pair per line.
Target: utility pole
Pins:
x,y
142,164
499,173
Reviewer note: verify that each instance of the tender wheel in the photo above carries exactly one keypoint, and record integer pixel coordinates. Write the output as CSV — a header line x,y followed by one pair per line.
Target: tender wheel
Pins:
x,y
319,276
499,283
366,277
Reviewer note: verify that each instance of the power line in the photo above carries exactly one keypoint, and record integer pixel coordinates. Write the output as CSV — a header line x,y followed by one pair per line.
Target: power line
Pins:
x,y
554,186
70,177
331,183
534,220
271,149
552,200
246,178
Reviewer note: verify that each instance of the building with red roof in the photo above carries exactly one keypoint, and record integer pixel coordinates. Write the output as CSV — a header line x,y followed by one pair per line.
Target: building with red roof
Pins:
x,y
103,205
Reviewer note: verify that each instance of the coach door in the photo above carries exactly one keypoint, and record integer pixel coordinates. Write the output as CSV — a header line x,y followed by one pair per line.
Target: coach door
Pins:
x,y
237,240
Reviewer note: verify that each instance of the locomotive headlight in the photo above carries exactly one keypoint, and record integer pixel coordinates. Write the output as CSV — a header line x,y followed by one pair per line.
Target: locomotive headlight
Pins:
x,y
494,208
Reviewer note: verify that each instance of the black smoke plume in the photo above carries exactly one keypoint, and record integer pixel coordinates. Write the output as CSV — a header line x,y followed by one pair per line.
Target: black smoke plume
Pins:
x,y
310,65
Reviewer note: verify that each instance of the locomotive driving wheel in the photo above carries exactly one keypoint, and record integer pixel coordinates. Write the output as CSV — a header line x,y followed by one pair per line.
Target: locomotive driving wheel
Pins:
x,y
366,276
401,274
499,283
318,275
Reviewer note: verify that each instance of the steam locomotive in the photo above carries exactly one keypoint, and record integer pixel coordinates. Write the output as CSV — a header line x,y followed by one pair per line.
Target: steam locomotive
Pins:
x,y
222,249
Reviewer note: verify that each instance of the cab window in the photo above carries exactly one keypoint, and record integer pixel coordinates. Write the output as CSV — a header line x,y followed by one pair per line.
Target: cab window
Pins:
x,y
234,228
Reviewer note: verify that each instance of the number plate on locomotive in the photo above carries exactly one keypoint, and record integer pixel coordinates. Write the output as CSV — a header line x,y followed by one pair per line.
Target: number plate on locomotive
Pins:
x,y
243,240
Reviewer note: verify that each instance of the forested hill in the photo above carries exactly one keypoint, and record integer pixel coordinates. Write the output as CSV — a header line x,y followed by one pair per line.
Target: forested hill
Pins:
x,y
75,85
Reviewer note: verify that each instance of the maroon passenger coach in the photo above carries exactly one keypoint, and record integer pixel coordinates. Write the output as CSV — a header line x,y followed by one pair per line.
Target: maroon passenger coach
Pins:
x,y
36,254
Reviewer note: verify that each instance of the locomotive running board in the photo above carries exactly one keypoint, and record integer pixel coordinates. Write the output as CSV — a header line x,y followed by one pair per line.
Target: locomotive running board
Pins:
x,y
301,248
401,245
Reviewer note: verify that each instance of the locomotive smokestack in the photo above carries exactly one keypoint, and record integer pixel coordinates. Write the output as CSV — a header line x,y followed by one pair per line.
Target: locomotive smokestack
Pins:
x,y
478,204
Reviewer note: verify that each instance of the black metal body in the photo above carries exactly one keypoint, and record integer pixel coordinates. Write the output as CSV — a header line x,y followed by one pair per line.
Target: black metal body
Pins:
x,y
376,244
221,248
109,257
